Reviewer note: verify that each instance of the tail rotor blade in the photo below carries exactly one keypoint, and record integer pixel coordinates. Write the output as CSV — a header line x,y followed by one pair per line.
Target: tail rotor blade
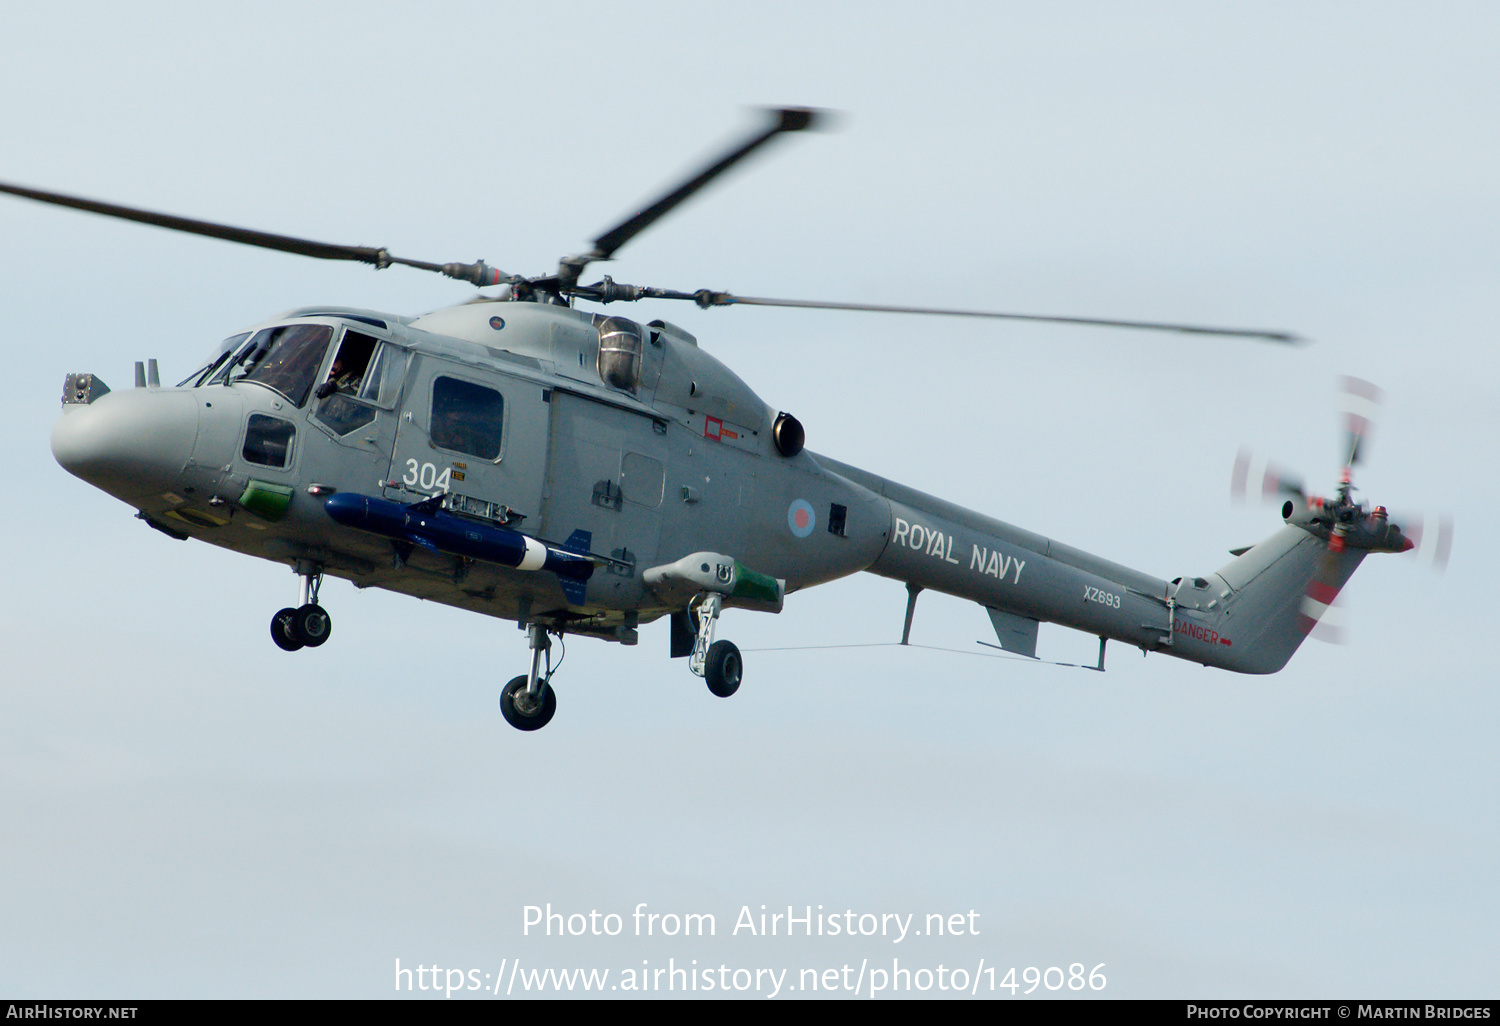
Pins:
x,y
1321,614
1254,478
1431,538
1361,404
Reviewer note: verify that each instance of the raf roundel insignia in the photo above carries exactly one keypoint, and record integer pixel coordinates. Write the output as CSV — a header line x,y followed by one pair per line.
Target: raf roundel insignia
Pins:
x,y
801,518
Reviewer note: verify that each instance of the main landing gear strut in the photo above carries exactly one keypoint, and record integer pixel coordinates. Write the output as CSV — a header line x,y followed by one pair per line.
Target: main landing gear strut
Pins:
x,y
717,662
309,623
528,702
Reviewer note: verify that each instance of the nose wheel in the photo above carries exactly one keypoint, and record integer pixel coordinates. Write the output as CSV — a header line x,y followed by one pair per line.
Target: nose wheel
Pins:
x,y
307,625
526,711
281,631
528,702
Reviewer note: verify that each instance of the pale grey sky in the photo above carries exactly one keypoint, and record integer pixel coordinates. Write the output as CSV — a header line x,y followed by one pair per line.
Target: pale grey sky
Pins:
x,y
190,812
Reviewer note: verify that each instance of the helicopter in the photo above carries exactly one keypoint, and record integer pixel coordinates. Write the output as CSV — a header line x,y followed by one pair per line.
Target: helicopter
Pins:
x,y
583,473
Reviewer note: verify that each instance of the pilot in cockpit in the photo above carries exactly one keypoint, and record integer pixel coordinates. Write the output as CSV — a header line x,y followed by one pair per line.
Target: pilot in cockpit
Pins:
x,y
340,379
349,365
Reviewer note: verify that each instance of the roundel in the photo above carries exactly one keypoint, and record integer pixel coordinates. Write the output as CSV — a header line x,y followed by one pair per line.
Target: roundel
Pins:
x,y
801,518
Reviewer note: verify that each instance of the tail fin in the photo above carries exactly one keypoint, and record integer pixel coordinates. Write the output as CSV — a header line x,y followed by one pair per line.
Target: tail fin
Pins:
x,y
1270,598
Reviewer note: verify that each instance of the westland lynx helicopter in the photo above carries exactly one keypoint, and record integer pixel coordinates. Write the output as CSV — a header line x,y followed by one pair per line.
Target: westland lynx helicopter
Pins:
x,y
582,473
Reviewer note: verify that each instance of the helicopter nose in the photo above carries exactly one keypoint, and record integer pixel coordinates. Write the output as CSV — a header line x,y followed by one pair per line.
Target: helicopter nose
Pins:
x,y
131,443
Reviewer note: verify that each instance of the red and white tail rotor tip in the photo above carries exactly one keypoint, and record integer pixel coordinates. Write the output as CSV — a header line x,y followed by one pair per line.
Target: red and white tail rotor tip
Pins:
x,y
1431,539
1256,478
1360,402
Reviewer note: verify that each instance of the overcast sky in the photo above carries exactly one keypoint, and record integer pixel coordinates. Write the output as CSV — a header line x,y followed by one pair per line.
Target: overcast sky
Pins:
x,y
188,811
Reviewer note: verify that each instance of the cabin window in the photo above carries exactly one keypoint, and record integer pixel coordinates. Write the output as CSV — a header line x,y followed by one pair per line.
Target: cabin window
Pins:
x,y
268,441
838,517
466,417
288,360
620,353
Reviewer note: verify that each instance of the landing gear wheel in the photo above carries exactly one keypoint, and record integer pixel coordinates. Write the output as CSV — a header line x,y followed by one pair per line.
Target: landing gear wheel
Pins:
x,y
524,712
723,669
311,625
281,630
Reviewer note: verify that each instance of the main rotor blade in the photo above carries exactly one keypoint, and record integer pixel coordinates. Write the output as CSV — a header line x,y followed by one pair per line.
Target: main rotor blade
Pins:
x,y
477,273
266,240
787,119
706,299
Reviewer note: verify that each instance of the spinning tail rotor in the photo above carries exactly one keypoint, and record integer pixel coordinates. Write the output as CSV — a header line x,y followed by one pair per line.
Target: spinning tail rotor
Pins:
x,y
1431,538
1361,403
1350,529
1255,477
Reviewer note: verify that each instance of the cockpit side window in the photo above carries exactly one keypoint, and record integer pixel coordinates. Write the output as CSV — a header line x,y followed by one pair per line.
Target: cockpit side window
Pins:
x,y
366,374
347,373
291,360
343,414
466,418
382,384
268,441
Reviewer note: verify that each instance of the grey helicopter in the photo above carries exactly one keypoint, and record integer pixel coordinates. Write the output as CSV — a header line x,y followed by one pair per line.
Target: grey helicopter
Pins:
x,y
583,473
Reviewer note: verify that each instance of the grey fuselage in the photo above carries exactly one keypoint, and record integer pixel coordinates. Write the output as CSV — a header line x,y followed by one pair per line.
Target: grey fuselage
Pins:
x,y
654,454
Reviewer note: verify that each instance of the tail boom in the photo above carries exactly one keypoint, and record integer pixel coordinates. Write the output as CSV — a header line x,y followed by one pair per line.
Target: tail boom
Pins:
x,y
1249,617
